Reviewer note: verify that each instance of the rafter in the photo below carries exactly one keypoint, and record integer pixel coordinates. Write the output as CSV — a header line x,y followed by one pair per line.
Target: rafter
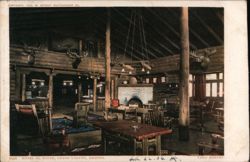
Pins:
x,y
126,18
194,34
168,25
211,31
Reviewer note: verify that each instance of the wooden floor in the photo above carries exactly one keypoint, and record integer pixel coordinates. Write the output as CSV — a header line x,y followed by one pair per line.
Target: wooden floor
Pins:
x,y
170,143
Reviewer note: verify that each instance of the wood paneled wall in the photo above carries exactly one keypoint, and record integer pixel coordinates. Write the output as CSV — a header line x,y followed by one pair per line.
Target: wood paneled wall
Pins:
x,y
171,63
56,60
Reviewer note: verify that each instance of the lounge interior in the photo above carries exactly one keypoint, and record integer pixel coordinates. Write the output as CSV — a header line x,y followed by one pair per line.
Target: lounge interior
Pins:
x,y
116,81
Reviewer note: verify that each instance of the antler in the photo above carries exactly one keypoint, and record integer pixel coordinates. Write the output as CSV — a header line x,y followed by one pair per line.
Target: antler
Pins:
x,y
75,55
27,50
209,52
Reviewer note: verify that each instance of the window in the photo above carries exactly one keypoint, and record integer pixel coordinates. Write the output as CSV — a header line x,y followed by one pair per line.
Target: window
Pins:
x,y
221,90
214,89
214,85
211,77
208,88
147,80
163,79
220,75
154,80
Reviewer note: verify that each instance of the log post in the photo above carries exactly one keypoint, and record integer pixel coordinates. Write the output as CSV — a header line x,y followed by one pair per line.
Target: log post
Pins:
x,y
94,94
184,75
116,87
107,62
99,52
17,83
80,47
23,87
50,91
112,89
79,90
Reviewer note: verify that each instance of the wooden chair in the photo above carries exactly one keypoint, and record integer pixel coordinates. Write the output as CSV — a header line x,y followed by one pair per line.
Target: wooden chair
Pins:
x,y
44,113
27,114
131,113
214,147
81,114
155,118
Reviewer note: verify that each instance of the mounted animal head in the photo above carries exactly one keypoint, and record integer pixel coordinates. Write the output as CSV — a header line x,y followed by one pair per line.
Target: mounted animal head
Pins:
x,y
201,61
30,52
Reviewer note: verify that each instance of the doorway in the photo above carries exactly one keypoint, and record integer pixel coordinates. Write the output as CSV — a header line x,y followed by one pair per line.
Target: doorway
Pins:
x,y
65,93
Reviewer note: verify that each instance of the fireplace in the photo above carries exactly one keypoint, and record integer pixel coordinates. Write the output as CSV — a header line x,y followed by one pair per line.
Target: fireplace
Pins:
x,y
135,94
135,100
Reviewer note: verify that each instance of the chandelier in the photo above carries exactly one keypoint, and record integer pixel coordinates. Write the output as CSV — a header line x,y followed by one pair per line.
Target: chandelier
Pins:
x,y
136,21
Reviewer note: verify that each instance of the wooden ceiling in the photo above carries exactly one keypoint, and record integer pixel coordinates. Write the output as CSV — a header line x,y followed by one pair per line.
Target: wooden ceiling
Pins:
x,y
162,27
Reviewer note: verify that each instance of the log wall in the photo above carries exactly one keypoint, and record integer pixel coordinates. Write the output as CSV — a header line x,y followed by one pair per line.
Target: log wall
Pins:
x,y
171,63
56,60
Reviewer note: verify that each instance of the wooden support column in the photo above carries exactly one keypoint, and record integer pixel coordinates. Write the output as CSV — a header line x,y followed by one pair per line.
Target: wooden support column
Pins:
x,y
79,90
94,94
107,62
17,83
112,88
23,87
116,87
184,75
80,47
99,52
50,91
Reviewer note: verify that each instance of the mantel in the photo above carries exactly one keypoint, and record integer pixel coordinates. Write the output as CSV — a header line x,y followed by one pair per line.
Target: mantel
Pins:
x,y
135,85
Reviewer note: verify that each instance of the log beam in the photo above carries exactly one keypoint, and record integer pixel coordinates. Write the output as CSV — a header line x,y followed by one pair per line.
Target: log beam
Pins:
x,y
211,31
184,76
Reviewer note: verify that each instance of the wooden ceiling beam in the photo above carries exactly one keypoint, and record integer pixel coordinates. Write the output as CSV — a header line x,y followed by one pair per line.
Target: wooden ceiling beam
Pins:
x,y
168,25
165,37
126,18
199,37
151,48
41,23
211,31
119,40
117,43
194,34
220,16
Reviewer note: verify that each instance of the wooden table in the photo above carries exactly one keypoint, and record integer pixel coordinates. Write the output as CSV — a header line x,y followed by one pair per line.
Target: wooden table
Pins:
x,y
138,111
124,130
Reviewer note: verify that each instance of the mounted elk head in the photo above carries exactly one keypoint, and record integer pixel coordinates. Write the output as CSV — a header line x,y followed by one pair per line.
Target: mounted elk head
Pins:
x,y
30,52
202,60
